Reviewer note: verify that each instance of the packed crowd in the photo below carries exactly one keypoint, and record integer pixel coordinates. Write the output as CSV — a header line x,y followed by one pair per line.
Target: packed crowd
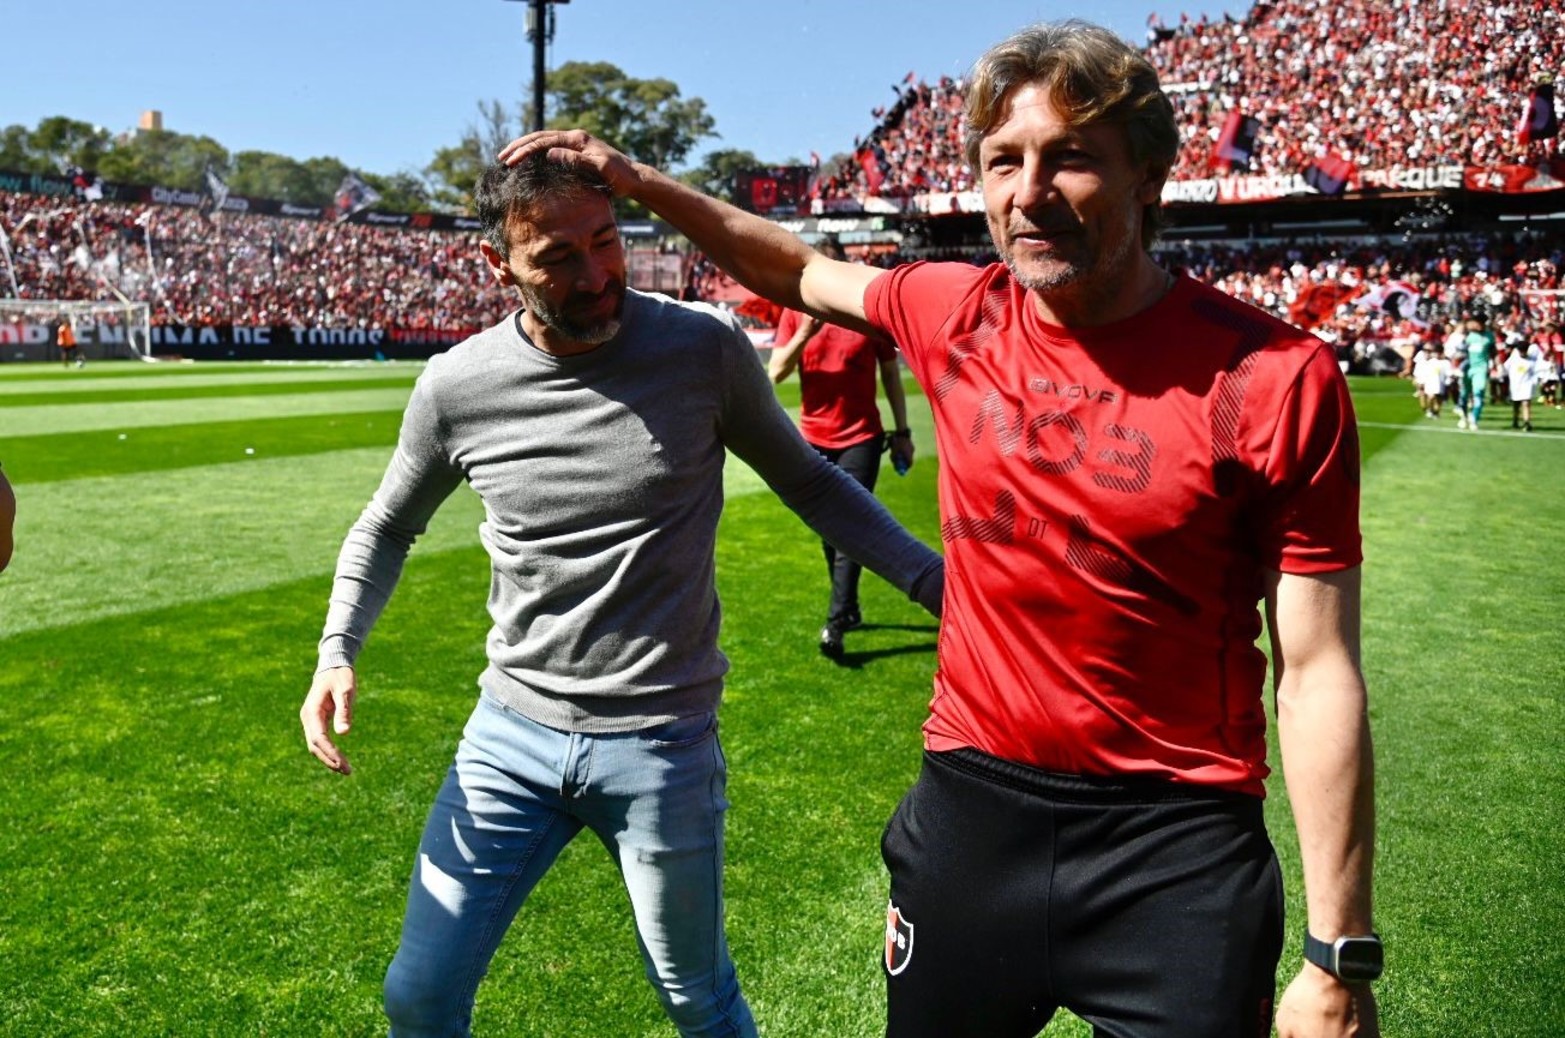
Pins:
x,y
199,269
914,149
1374,82
1378,82
1339,289
253,270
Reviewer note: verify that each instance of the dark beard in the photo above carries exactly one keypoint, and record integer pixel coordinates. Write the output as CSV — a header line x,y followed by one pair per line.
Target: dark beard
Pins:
x,y
561,322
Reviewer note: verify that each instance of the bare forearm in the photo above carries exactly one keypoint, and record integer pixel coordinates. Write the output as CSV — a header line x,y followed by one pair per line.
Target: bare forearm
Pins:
x,y
1328,765
758,254
785,358
896,397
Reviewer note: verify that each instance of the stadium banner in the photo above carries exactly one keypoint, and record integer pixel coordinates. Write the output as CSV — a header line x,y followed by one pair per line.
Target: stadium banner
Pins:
x,y
1518,180
34,341
61,187
774,189
1242,188
67,187
1546,176
843,227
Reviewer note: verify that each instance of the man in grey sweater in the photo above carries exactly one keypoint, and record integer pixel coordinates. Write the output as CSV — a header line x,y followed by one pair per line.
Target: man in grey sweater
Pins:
x,y
593,424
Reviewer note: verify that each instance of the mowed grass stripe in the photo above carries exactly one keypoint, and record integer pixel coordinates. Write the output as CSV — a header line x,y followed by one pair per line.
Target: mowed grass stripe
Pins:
x,y
89,548
73,381
109,396
77,455
49,459
38,420
32,372
74,397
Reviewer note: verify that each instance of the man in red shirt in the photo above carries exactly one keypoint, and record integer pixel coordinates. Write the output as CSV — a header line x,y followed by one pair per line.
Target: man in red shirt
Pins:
x,y
1131,464
839,417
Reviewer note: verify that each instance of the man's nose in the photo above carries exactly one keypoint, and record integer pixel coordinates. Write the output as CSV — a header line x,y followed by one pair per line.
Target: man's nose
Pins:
x,y
593,275
1034,184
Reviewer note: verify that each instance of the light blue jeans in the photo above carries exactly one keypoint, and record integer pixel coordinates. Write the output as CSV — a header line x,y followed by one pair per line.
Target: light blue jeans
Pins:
x,y
517,793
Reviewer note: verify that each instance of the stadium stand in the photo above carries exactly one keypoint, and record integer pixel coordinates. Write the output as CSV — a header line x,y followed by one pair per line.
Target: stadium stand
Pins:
x,y
199,269
1375,83
1340,146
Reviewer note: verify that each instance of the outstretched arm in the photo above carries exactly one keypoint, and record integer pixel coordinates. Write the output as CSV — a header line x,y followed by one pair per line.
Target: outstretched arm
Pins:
x,y
830,501
760,255
1328,764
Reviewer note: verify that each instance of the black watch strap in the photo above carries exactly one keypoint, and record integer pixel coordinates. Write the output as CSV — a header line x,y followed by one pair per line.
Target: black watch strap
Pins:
x,y
1356,959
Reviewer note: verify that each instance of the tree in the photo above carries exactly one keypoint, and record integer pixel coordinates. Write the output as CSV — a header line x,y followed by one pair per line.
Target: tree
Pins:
x,y
53,145
16,153
453,172
644,118
715,174
400,192
264,174
165,158
324,174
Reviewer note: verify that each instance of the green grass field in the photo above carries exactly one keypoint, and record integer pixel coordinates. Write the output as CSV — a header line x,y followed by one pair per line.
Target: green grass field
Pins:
x,y
175,863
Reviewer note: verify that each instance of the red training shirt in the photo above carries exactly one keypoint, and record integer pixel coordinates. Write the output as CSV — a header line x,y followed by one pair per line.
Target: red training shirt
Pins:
x,y
838,373
1110,498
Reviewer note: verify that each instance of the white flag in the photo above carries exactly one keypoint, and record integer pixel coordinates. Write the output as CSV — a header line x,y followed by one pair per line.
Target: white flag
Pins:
x,y
354,195
217,188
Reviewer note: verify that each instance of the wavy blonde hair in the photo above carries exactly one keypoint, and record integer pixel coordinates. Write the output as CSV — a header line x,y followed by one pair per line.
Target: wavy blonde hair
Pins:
x,y
1093,76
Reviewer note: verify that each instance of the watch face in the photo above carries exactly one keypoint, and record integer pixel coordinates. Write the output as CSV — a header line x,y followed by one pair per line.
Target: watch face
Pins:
x,y
1360,958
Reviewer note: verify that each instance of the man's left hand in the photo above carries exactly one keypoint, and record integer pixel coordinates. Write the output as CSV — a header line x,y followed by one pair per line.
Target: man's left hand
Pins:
x,y
1318,1005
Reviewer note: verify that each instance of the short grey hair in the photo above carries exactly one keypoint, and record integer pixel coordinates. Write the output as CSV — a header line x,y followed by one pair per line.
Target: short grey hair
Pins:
x,y
504,193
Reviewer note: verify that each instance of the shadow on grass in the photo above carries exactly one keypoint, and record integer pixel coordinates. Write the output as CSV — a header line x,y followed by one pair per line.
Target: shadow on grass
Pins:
x,y
857,660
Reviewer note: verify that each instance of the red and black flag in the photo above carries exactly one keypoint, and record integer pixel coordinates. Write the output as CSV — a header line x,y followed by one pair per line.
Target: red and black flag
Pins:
x,y
1317,301
1539,120
1329,174
869,162
1237,142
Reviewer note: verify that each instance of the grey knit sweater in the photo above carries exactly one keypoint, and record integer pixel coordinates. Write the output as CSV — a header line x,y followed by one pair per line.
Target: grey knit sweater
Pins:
x,y
601,479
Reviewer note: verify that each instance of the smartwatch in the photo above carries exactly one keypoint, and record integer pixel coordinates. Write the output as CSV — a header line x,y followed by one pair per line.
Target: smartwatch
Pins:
x,y
1356,960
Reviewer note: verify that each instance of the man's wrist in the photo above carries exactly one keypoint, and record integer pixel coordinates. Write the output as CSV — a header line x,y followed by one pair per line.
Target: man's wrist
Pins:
x,y
1351,958
903,432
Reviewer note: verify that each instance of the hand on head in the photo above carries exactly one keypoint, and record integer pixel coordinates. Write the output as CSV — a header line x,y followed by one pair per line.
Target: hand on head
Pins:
x,y
576,147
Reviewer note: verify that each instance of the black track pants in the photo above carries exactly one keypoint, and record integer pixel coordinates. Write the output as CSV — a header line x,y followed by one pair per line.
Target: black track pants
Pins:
x,y
1149,909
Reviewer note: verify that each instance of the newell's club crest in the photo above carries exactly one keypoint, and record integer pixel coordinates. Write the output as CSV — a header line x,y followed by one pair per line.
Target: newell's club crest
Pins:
x,y
899,940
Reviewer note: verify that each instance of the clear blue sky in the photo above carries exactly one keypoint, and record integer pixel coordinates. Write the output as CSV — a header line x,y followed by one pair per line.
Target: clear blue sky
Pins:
x,y
383,85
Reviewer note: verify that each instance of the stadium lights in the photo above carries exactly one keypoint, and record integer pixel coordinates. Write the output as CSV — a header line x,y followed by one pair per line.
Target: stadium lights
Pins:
x,y
540,33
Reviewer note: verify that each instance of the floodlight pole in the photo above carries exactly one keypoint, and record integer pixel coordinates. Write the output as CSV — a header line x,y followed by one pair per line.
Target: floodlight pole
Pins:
x,y
540,33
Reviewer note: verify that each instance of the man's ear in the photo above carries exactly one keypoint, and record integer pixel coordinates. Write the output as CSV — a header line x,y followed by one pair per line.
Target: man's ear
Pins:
x,y
496,263
1151,186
